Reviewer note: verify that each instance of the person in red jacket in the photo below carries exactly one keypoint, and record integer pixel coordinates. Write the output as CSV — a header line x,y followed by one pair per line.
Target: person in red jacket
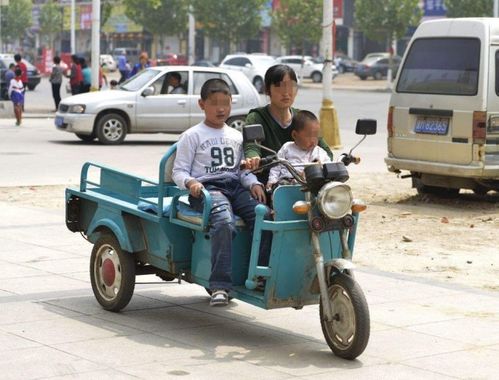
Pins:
x,y
75,76
24,73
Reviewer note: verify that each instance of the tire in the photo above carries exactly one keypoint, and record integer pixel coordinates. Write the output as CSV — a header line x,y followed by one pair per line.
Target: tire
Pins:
x,y
111,129
316,77
31,88
348,334
362,77
237,122
86,138
377,75
341,69
259,85
112,274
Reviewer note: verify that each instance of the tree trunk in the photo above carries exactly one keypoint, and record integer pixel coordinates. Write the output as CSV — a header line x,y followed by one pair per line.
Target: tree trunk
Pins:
x,y
154,47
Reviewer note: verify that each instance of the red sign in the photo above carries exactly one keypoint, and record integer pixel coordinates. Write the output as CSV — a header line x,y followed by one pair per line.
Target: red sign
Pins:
x,y
338,8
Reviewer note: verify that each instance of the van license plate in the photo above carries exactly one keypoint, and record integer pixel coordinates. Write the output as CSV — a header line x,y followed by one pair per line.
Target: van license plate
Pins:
x,y
432,125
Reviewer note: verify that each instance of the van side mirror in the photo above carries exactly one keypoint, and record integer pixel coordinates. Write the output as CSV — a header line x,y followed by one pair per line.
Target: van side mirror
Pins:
x,y
148,91
253,132
366,127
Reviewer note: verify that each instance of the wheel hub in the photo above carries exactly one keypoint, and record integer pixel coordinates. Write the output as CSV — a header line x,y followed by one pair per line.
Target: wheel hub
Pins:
x,y
108,272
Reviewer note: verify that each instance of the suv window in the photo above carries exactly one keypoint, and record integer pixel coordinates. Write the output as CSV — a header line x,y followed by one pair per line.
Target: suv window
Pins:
x,y
438,66
238,61
202,76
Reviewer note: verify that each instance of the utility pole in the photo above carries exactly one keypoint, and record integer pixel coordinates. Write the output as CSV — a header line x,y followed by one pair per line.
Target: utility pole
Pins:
x,y
192,36
2,3
328,116
496,8
72,27
95,44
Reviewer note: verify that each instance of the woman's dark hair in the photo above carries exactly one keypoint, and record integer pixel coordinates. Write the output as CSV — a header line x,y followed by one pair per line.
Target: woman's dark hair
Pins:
x,y
214,85
57,59
276,74
301,118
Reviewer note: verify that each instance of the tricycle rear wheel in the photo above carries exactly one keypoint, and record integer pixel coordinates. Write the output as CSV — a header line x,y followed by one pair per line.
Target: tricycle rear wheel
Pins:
x,y
347,335
112,273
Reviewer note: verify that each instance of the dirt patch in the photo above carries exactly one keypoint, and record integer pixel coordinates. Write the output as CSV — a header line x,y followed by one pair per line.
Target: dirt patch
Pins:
x,y
451,240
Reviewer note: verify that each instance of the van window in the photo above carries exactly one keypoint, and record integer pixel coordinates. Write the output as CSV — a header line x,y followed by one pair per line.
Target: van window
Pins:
x,y
446,66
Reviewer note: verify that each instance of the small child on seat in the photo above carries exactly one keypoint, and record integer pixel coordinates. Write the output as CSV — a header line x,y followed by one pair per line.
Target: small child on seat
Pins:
x,y
303,149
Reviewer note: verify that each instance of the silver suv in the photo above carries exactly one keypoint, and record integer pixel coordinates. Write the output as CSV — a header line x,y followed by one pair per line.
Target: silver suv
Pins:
x,y
305,66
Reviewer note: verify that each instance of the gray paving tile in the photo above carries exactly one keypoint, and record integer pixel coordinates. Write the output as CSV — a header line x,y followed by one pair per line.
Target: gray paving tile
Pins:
x,y
304,359
22,312
57,331
476,331
397,344
18,252
61,264
40,362
10,342
10,270
41,284
479,363
208,368
102,374
141,349
380,372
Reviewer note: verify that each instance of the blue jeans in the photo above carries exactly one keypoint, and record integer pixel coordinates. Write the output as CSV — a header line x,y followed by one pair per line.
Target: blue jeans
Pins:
x,y
228,197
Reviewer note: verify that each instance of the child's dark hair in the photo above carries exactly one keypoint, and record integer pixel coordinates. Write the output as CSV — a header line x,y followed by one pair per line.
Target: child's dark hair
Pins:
x,y
214,85
276,74
18,72
57,59
301,118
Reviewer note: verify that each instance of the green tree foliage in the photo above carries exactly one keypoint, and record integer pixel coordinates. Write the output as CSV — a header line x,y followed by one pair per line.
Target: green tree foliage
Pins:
x,y
229,21
467,8
106,6
50,21
16,18
387,19
297,21
159,17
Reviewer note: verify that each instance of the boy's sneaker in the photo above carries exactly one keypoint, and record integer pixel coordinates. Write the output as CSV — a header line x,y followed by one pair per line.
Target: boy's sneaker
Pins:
x,y
219,298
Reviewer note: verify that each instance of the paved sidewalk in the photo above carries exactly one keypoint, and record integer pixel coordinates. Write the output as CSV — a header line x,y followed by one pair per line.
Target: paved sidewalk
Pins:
x,y
52,327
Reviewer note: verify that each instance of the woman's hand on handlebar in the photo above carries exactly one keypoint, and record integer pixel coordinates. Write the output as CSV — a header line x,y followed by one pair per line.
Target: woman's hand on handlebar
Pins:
x,y
251,163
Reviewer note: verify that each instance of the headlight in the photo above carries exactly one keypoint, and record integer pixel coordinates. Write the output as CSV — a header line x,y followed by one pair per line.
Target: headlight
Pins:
x,y
76,108
334,200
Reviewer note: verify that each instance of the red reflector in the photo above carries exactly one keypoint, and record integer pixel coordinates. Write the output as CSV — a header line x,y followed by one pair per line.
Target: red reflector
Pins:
x,y
389,124
479,127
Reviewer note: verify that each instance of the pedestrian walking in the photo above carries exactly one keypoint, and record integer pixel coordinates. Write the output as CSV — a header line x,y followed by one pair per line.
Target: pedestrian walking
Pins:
x,y
87,76
75,76
24,73
56,80
16,95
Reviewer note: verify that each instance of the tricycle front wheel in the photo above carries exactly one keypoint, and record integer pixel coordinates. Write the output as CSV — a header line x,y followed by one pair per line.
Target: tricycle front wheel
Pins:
x,y
348,333
112,273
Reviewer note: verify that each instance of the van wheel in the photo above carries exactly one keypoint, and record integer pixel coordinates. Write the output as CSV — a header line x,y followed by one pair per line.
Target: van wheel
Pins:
x,y
111,129
377,75
237,122
362,77
445,192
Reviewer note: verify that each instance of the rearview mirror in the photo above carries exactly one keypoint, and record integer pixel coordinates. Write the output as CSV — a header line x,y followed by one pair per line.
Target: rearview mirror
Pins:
x,y
253,132
366,127
148,91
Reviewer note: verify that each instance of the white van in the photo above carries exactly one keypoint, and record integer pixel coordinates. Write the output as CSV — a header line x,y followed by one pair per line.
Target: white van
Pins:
x,y
443,120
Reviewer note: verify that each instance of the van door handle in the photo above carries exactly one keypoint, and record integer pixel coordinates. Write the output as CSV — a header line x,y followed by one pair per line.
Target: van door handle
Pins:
x,y
181,102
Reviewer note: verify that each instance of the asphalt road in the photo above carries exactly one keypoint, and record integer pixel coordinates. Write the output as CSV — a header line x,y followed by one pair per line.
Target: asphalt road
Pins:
x,y
37,154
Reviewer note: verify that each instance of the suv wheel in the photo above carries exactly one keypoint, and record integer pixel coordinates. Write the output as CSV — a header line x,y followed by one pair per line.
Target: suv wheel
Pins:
x,y
111,129
316,77
258,83
237,122
377,75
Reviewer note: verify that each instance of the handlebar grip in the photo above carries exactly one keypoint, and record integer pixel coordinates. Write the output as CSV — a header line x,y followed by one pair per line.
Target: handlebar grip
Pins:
x,y
266,160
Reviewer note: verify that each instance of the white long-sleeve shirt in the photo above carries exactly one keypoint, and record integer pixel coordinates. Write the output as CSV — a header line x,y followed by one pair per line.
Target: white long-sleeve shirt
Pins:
x,y
205,154
15,85
295,155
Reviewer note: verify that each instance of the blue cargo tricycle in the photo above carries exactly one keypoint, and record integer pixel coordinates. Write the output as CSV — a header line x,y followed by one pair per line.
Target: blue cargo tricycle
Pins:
x,y
139,226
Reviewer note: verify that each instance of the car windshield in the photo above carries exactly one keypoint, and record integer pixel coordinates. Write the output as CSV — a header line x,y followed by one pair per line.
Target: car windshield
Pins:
x,y
438,66
138,81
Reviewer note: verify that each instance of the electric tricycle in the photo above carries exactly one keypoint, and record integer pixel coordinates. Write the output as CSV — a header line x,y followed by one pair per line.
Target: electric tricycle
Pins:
x,y
139,226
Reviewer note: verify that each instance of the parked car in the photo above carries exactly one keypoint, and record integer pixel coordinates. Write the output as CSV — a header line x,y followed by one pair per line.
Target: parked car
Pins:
x,y
344,63
253,66
172,59
33,74
107,62
142,104
443,118
376,67
309,69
